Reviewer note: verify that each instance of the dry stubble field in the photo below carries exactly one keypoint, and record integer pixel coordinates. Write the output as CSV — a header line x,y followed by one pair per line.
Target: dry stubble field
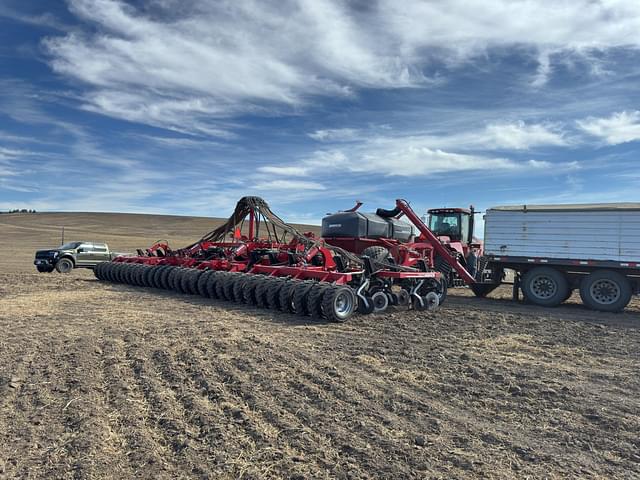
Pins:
x,y
112,381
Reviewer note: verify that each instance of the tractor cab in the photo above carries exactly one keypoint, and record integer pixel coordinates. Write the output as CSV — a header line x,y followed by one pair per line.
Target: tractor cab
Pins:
x,y
455,223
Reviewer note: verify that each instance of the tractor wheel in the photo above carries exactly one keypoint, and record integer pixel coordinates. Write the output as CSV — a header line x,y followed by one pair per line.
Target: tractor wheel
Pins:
x,y
64,265
605,290
338,304
300,294
273,293
202,287
285,296
376,254
249,288
545,286
314,299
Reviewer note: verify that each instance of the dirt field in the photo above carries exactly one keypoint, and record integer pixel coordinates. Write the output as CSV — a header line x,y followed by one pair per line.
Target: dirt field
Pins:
x,y
112,381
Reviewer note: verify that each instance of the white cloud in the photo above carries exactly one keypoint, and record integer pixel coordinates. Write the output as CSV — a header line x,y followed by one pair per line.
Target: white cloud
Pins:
x,y
222,58
521,136
620,127
335,134
405,157
288,185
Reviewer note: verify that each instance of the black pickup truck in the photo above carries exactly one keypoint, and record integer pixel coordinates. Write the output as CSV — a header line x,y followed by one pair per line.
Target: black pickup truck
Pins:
x,y
73,255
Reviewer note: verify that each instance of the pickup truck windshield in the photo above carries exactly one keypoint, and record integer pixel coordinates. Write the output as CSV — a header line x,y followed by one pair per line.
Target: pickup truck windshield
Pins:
x,y
69,246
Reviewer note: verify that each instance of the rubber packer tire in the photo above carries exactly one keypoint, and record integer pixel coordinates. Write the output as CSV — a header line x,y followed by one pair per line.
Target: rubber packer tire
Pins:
x,y
286,295
96,270
238,287
561,283
130,274
314,299
135,275
623,284
119,274
261,292
273,293
108,272
329,300
300,294
221,281
163,277
203,282
193,281
174,278
249,290
186,281
229,286
146,277
212,284
153,276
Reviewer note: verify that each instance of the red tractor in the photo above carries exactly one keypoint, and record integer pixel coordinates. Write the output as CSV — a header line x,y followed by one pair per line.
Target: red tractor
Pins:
x,y
454,228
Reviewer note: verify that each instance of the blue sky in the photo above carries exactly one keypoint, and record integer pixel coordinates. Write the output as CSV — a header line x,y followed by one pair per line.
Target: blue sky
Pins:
x,y
158,107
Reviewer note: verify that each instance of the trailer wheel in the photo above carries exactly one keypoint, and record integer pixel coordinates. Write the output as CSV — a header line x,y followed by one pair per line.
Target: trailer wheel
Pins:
x,y
605,290
64,265
338,304
545,286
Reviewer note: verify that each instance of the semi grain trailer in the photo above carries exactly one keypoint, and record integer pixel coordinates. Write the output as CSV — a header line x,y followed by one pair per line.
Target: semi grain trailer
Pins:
x,y
557,249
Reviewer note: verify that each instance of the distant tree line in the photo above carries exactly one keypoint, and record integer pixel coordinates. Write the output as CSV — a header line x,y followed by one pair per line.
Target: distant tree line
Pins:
x,y
20,210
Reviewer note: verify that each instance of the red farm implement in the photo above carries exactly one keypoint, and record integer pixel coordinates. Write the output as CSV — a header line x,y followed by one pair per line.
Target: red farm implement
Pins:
x,y
273,265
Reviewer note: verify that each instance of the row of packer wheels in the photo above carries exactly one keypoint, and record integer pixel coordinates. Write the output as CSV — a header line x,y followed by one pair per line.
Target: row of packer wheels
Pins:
x,y
324,300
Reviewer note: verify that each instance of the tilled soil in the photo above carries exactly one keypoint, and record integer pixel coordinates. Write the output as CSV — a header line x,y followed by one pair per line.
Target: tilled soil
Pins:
x,y
111,381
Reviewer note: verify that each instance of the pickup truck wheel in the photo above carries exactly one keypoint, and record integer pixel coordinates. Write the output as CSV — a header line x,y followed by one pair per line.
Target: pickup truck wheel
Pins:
x,y
605,290
545,286
64,265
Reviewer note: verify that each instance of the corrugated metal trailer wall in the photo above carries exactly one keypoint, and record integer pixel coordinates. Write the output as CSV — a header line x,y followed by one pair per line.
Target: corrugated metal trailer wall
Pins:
x,y
596,234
